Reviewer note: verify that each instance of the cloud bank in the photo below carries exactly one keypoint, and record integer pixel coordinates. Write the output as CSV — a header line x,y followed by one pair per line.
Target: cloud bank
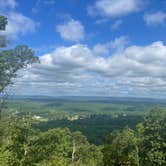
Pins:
x,y
79,70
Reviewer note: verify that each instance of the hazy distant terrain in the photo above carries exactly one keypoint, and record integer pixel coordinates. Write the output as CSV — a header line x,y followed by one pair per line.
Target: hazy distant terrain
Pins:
x,y
94,116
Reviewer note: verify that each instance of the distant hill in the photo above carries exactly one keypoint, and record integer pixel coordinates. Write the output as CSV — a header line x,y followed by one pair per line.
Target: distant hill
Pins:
x,y
99,99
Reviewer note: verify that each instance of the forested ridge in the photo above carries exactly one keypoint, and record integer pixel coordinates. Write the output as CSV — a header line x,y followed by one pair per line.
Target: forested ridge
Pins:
x,y
24,144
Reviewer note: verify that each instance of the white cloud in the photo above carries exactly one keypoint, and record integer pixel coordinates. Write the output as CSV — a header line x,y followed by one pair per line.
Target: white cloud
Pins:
x,y
78,70
115,8
101,49
7,4
72,30
157,18
104,49
19,24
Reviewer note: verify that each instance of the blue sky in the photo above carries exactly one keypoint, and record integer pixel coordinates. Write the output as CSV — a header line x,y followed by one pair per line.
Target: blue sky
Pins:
x,y
48,14
97,47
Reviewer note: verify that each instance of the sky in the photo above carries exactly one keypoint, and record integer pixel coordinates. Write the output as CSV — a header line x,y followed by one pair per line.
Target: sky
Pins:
x,y
90,48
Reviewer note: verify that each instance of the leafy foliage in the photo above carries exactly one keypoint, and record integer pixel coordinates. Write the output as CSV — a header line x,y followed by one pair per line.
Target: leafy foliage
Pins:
x,y
11,61
25,146
16,139
152,135
121,149
146,147
3,23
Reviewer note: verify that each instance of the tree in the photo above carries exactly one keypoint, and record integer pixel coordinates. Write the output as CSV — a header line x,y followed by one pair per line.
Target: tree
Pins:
x,y
152,136
3,23
11,61
56,146
16,139
85,153
25,146
121,149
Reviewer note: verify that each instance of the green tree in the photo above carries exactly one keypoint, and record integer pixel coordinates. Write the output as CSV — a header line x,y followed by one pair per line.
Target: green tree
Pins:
x,y
3,23
57,146
152,136
11,61
16,139
120,149
25,146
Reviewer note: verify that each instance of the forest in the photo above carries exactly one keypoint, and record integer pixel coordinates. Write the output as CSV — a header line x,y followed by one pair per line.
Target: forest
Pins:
x,y
73,132
25,141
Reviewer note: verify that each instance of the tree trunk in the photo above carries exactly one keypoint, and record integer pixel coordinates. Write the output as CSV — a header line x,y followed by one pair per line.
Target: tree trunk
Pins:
x,y
74,150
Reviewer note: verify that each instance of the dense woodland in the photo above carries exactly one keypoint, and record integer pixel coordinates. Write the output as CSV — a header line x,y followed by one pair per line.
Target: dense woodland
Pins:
x,y
24,144
124,141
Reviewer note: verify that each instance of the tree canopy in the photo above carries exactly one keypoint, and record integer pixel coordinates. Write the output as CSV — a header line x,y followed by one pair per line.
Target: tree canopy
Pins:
x,y
3,24
152,136
12,60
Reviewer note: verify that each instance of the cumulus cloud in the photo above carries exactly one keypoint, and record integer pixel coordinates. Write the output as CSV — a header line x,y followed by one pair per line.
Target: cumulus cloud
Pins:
x,y
78,70
156,18
71,30
115,8
104,49
17,22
